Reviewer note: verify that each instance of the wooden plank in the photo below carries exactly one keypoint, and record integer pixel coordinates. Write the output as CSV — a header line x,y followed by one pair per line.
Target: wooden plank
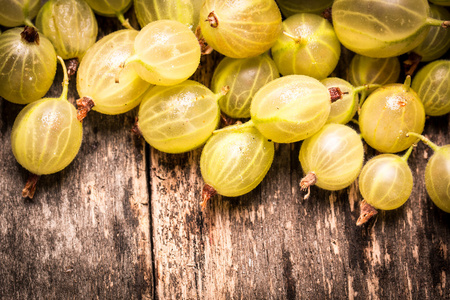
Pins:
x,y
86,233
270,244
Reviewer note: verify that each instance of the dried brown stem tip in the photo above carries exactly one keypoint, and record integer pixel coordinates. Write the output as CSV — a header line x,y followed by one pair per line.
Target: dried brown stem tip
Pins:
x,y
117,76
204,47
335,94
411,63
84,105
367,212
30,186
207,193
226,120
135,129
30,35
326,14
127,24
72,66
212,19
306,183
224,90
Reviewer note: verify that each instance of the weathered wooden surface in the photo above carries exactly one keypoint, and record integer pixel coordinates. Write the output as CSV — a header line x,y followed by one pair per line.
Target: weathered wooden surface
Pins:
x,y
123,221
270,244
86,233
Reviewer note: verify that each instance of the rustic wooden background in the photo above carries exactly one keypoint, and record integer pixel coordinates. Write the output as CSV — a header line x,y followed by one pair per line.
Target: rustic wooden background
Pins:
x,y
123,221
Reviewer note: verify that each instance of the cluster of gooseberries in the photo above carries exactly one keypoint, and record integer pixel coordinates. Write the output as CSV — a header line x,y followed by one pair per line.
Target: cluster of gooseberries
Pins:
x,y
273,81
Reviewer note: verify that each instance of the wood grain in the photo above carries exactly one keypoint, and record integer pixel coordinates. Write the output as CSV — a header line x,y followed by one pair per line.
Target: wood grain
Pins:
x,y
270,244
86,233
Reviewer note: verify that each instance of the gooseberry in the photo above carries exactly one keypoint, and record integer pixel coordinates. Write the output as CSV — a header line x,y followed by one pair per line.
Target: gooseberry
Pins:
x,y
184,11
437,174
178,118
332,158
308,46
385,183
437,41
46,135
232,27
432,84
290,108
27,65
234,161
166,52
381,28
345,107
369,70
388,114
70,25
96,76
244,77
18,12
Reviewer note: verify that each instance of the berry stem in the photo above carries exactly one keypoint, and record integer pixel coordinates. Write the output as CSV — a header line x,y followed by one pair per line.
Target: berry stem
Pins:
x,y
236,127
306,183
425,140
366,87
410,65
125,23
408,153
204,47
361,100
26,13
436,22
364,90
72,66
84,105
367,212
207,193
28,22
30,186
296,39
30,35
407,83
223,91
65,83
